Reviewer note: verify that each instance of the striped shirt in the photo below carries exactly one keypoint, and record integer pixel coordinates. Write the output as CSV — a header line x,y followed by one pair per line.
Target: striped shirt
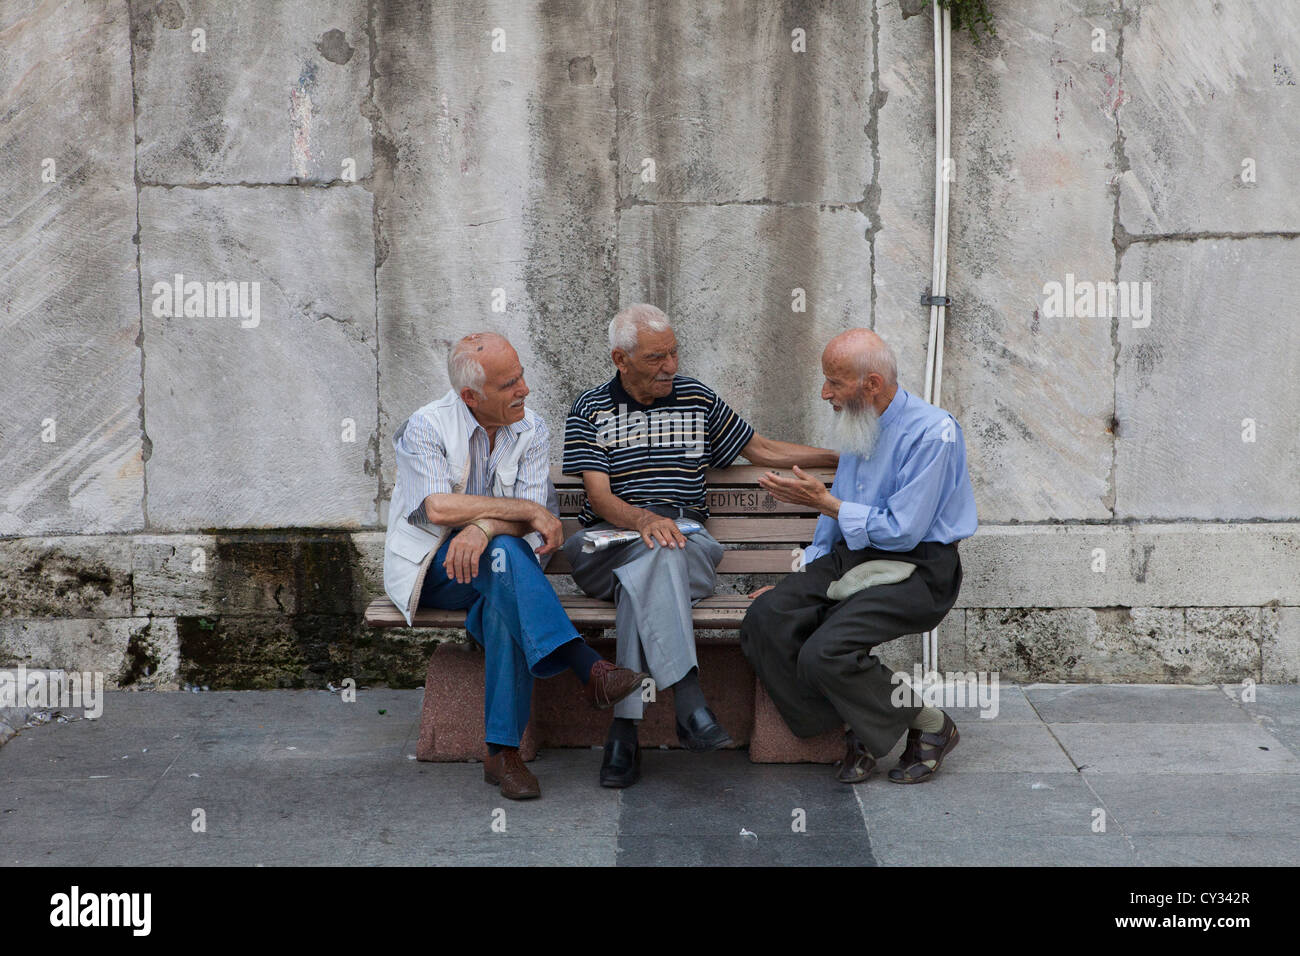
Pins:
x,y
422,467
657,453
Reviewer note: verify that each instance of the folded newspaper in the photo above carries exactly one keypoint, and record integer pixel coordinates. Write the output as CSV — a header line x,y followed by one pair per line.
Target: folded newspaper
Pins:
x,y
600,540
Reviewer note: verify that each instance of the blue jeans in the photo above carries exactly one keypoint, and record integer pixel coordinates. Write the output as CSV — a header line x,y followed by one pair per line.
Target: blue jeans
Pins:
x,y
516,617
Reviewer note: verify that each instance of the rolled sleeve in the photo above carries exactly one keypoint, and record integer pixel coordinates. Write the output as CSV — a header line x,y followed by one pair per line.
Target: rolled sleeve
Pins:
x,y
853,524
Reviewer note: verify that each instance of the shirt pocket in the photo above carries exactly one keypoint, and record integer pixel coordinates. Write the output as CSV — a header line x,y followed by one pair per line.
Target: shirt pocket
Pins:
x,y
409,544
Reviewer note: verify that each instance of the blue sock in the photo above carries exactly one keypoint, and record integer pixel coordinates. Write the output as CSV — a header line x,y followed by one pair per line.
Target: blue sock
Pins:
x,y
578,656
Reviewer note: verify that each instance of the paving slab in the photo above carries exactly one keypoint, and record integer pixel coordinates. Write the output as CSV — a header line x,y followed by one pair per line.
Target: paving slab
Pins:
x,y
268,816
1204,804
990,745
445,814
1277,710
1232,748
1213,851
717,812
82,749
1128,704
62,822
1186,789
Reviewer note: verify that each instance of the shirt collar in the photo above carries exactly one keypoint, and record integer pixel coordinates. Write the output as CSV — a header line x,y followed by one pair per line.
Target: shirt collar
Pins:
x,y
472,423
895,407
621,396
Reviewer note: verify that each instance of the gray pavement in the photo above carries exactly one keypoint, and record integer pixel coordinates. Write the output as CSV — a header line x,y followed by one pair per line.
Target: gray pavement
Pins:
x,y
1184,775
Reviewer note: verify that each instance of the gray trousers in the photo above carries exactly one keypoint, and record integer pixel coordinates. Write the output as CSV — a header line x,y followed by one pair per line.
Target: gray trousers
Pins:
x,y
652,591
813,654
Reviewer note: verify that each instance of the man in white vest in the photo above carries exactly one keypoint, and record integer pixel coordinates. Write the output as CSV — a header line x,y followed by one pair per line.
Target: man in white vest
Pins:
x,y
472,509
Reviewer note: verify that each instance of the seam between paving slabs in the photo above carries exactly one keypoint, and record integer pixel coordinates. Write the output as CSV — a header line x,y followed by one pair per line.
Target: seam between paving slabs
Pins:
x,y
1078,769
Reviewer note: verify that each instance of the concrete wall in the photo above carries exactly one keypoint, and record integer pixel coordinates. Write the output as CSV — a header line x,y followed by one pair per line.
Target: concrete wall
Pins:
x,y
198,499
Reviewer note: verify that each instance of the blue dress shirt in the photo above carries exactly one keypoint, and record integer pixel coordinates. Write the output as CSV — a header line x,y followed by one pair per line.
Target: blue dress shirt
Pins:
x,y
913,488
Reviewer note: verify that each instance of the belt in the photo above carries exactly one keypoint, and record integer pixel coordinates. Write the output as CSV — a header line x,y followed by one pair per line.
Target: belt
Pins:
x,y
677,511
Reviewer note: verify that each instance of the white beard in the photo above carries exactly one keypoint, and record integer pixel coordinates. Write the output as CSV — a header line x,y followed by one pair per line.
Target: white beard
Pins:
x,y
855,431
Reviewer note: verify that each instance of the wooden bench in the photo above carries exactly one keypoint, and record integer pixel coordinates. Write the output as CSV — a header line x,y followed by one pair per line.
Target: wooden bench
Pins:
x,y
761,535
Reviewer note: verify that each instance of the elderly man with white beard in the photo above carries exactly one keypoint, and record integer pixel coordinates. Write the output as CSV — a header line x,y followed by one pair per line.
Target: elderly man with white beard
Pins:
x,y
883,563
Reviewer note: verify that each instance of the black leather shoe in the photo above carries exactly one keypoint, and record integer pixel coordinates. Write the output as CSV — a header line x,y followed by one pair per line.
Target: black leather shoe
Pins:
x,y
702,731
621,766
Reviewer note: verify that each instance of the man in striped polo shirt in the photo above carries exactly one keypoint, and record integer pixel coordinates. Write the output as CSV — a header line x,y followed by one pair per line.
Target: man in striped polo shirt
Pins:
x,y
642,442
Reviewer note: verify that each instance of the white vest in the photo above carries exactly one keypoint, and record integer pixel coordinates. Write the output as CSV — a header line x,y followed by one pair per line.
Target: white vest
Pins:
x,y
408,548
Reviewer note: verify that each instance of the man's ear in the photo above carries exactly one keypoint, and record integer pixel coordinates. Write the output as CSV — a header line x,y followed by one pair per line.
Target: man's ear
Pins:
x,y
468,397
620,359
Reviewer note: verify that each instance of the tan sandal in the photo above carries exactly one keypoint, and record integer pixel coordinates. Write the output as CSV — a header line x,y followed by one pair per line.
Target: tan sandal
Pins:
x,y
856,765
922,747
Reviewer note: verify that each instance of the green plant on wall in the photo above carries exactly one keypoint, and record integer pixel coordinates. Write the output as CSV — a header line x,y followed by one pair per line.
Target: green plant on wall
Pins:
x,y
974,14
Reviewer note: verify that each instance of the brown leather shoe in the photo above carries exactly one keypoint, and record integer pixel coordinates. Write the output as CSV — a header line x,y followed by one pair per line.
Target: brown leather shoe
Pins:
x,y
507,768
608,684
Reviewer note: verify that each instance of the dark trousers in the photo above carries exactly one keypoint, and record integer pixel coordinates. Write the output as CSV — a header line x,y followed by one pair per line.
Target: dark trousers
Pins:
x,y
814,656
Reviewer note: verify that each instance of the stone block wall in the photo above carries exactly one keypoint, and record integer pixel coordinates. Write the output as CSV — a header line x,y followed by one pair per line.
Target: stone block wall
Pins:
x,y
199,498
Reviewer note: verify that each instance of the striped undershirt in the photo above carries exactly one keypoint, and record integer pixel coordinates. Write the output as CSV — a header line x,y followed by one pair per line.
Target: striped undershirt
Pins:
x,y
657,453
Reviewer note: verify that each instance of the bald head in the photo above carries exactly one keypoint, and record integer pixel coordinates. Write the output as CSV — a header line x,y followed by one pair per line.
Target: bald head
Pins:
x,y
860,371
860,353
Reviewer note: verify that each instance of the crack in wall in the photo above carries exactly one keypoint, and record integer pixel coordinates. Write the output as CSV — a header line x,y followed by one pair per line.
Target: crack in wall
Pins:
x,y
146,446
383,156
614,158
1131,238
290,184
628,202
870,205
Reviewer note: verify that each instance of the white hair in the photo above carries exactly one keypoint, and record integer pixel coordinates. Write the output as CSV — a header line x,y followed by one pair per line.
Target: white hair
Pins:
x,y
625,326
463,367
880,360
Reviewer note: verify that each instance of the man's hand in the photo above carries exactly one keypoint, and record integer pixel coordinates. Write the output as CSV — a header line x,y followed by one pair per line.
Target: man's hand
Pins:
x,y
664,530
464,552
549,527
802,489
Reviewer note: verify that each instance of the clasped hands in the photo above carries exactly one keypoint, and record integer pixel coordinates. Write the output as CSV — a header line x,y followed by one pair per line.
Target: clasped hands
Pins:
x,y
466,548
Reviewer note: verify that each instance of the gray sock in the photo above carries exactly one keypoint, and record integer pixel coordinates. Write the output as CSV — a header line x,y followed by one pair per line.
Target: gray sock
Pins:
x,y
687,695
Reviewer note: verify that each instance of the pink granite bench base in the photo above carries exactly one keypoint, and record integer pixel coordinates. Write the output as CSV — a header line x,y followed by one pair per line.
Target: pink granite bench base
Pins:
x,y
451,720
451,724
773,742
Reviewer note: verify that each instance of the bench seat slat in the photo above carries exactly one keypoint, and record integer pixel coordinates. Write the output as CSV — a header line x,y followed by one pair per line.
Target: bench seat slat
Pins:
x,y
757,561
722,501
718,611
746,530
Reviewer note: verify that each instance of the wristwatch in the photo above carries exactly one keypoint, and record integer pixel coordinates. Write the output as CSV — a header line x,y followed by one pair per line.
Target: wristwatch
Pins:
x,y
487,532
